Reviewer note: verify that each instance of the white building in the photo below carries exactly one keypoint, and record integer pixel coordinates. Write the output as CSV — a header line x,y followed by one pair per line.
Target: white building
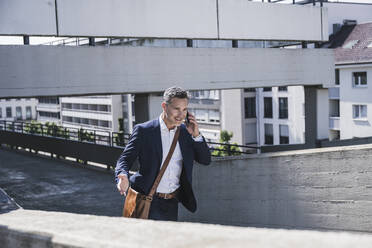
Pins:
x,y
20,109
351,101
49,110
92,112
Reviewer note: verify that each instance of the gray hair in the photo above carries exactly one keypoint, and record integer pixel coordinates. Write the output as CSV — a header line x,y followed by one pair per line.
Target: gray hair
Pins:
x,y
173,92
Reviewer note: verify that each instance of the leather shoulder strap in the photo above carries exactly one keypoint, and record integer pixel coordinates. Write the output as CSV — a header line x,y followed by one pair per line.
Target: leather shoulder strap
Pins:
x,y
166,162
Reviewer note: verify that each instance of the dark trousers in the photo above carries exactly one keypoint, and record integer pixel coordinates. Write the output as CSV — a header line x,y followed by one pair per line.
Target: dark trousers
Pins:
x,y
162,209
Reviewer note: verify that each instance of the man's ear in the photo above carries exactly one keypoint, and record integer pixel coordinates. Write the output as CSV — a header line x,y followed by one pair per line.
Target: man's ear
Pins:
x,y
163,106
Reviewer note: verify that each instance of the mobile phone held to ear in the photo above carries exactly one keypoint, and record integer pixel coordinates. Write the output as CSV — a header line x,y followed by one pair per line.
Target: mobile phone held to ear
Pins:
x,y
187,121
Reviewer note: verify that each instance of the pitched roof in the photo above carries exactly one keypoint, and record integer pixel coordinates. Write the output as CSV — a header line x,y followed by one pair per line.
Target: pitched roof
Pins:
x,y
352,44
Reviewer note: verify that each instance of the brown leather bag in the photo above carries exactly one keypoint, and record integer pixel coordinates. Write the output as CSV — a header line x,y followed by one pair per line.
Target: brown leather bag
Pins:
x,y
138,205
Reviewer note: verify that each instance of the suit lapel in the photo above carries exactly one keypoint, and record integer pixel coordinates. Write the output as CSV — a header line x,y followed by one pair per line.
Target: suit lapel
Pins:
x,y
157,139
181,141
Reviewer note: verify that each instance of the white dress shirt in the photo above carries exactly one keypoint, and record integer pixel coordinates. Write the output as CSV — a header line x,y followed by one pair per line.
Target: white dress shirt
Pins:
x,y
171,178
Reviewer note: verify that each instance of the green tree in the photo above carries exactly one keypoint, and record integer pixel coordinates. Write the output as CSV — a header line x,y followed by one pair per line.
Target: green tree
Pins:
x,y
33,127
118,138
85,135
226,149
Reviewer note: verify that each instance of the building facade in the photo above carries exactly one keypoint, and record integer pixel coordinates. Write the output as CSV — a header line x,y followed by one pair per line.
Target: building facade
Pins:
x,y
20,109
350,100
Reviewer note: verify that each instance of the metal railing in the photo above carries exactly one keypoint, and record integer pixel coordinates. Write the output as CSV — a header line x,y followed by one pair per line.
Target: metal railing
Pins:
x,y
93,136
107,138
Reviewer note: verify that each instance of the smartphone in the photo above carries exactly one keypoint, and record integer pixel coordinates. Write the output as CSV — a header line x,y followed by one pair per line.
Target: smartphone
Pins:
x,y
187,121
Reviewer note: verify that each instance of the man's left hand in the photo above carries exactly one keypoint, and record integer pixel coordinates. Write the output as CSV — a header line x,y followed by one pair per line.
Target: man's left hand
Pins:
x,y
192,127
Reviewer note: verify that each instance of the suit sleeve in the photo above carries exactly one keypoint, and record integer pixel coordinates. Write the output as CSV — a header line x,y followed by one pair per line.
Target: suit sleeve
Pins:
x,y
129,154
202,152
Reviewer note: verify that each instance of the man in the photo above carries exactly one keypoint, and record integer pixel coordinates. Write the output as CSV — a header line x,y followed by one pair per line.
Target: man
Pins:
x,y
150,143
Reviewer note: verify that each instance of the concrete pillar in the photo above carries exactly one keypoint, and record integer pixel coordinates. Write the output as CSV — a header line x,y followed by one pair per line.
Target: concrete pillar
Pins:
x,y
92,41
26,40
310,115
147,106
316,115
141,108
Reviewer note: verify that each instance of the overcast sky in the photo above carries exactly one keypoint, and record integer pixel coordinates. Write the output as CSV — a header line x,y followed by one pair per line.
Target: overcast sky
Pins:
x,y
18,40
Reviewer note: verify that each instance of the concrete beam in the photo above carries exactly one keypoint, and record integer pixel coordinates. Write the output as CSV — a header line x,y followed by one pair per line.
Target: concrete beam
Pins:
x,y
28,228
190,19
45,70
241,19
23,17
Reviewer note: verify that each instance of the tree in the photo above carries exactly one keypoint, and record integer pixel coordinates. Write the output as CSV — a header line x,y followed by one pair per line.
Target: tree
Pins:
x,y
226,149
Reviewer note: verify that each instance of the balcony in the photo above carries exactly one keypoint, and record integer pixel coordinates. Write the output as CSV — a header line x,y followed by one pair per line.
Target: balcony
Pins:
x,y
334,93
334,123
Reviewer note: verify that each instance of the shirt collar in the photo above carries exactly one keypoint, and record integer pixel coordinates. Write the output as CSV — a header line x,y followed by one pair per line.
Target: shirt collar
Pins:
x,y
163,126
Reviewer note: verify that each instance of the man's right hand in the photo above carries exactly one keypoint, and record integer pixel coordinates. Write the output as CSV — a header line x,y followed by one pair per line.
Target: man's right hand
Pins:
x,y
123,184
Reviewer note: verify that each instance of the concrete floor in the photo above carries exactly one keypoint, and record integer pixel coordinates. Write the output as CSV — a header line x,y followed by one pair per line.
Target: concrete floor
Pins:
x,y
42,183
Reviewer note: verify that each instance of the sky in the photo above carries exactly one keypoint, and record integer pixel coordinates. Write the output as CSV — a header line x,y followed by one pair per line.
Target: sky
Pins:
x,y
18,40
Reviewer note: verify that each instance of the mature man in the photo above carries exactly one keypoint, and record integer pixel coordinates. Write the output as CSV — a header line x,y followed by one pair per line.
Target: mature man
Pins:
x,y
150,143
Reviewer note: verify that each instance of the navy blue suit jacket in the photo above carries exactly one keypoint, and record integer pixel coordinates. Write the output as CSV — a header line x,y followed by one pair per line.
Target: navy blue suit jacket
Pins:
x,y
145,144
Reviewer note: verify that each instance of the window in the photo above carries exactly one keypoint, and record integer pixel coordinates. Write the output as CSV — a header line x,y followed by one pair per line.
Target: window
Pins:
x,y
8,112
67,118
337,76
283,108
49,114
18,113
283,134
28,113
104,123
267,89
49,100
283,88
268,107
249,90
201,115
269,140
250,107
359,111
214,116
359,79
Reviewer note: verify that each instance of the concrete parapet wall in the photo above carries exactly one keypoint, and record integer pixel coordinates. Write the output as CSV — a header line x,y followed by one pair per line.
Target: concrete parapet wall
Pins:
x,y
50,70
328,188
193,19
27,228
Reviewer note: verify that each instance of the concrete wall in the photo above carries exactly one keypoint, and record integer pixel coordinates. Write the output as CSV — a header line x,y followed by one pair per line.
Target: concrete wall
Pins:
x,y
323,114
155,106
47,70
328,188
27,228
232,107
349,96
207,19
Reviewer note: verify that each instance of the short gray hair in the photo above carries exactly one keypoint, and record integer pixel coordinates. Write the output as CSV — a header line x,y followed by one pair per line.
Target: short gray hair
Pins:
x,y
173,92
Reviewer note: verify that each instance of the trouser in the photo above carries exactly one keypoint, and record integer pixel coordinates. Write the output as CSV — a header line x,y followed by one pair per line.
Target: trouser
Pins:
x,y
164,209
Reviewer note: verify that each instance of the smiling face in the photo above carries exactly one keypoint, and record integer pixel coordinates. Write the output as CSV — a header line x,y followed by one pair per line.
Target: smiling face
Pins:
x,y
175,112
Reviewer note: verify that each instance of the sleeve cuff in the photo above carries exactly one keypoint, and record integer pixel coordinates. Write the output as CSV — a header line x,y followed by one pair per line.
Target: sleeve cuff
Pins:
x,y
198,138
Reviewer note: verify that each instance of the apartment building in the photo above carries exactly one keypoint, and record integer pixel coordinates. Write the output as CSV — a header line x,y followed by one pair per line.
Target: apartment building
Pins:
x,y
350,101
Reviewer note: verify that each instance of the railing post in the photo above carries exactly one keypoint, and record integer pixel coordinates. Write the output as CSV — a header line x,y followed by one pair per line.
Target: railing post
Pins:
x,y
94,136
